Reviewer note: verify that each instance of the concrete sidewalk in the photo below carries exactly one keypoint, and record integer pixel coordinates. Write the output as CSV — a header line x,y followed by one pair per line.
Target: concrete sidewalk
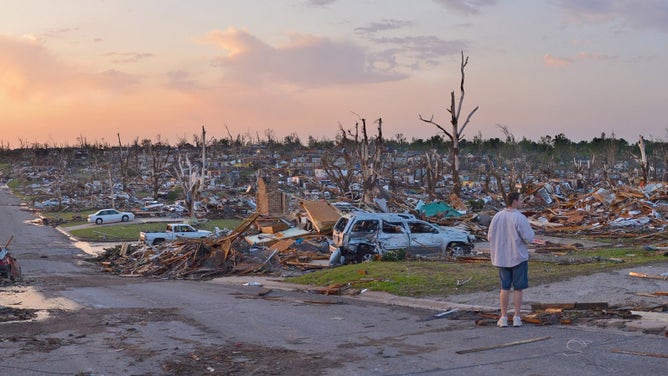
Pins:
x,y
650,322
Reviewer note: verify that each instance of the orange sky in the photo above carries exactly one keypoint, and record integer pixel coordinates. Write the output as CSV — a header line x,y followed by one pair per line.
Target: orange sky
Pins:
x,y
166,68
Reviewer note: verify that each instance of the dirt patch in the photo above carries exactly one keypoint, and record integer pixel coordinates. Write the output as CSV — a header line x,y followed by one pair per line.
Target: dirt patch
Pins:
x,y
125,330
8,314
246,359
46,334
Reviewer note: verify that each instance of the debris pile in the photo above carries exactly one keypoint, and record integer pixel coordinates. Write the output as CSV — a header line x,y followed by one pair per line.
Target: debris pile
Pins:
x,y
211,257
620,212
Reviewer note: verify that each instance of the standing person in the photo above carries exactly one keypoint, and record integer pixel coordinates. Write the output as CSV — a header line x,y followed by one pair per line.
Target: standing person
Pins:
x,y
508,235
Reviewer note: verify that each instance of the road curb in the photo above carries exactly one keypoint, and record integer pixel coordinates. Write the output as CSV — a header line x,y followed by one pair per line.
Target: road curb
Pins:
x,y
364,295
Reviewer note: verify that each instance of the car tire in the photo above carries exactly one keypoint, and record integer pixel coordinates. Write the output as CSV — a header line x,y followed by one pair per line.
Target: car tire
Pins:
x,y
458,249
125,218
365,252
366,257
158,241
98,221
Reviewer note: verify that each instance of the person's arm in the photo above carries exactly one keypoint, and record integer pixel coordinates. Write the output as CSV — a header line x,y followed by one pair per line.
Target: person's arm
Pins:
x,y
525,231
490,229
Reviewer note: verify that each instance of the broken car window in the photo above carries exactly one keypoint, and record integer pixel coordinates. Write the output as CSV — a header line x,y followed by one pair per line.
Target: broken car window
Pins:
x,y
392,228
365,226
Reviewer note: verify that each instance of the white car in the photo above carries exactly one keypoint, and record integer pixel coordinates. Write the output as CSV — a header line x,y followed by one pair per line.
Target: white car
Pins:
x,y
110,215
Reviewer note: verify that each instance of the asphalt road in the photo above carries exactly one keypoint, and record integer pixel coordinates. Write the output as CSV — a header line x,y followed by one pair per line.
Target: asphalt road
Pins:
x,y
89,323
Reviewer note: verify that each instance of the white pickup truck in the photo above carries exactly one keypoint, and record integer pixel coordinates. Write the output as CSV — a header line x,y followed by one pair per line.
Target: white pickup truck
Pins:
x,y
172,232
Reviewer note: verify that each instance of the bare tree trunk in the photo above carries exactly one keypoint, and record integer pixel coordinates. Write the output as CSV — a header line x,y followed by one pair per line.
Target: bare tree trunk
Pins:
x,y
190,182
340,174
203,175
124,162
456,134
159,160
368,155
644,165
434,167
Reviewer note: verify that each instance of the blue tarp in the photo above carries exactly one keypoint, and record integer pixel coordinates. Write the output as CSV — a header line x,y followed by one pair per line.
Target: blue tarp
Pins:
x,y
439,208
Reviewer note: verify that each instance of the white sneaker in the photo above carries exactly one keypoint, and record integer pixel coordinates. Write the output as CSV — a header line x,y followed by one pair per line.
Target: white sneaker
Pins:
x,y
517,321
502,323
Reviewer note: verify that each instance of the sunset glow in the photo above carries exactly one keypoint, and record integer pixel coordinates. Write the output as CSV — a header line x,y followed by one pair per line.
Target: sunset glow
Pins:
x,y
148,68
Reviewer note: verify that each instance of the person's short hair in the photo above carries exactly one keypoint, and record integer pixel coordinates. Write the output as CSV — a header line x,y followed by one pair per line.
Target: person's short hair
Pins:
x,y
512,197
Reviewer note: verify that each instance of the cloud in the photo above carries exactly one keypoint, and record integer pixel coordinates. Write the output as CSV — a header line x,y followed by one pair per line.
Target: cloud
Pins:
x,y
425,47
553,61
466,7
128,57
639,14
50,34
412,52
384,25
115,80
320,3
596,57
28,69
581,42
182,81
305,60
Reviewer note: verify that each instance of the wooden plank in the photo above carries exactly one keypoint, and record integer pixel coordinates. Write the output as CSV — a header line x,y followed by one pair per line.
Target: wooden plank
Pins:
x,y
322,215
274,228
551,306
640,353
649,276
558,307
501,345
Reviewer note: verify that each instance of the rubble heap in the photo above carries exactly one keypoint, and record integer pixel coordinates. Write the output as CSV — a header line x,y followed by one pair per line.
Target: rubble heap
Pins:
x,y
210,258
622,211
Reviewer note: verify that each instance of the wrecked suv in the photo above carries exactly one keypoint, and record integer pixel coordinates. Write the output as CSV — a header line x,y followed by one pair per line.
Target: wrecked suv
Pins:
x,y
358,237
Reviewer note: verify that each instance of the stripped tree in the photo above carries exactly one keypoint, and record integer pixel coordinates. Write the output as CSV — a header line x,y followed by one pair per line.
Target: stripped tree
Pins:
x,y
191,175
432,161
456,133
644,164
339,165
159,157
368,154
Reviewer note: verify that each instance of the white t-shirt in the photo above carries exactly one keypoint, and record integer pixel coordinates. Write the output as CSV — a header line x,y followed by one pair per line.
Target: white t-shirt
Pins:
x,y
508,235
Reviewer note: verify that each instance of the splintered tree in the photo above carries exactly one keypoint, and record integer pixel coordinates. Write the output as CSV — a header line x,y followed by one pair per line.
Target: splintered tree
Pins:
x,y
124,162
191,176
432,163
339,165
644,164
456,133
368,154
159,155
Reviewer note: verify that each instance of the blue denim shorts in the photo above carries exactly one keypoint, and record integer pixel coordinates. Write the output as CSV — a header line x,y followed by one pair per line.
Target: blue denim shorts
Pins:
x,y
517,276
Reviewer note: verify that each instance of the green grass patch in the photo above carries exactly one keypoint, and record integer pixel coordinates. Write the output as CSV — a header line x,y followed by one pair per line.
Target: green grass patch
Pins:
x,y
72,218
16,186
118,233
130,231
220,223
443,278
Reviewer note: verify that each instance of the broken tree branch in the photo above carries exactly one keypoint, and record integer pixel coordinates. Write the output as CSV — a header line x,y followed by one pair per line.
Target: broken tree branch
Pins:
x,y
649,276
501,345
655,355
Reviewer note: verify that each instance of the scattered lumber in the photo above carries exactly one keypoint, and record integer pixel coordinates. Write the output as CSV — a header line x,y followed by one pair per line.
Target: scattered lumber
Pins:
x,y
501,345
640,353
214,257
558,307
649,276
